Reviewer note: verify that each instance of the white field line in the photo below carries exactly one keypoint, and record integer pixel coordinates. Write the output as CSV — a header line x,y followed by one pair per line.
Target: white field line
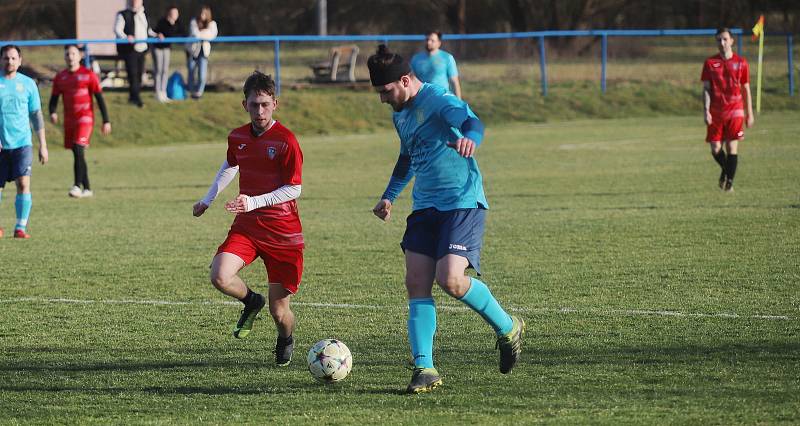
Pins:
x,y
593,311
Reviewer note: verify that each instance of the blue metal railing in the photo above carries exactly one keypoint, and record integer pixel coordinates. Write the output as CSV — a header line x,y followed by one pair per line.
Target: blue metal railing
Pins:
x,y
385,38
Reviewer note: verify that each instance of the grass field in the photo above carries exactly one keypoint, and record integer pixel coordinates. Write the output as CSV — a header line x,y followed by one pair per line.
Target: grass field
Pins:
x,y
650,296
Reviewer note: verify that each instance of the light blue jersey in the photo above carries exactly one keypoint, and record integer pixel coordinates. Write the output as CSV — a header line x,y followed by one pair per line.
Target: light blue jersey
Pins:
x,y
19,97
436,69
443,179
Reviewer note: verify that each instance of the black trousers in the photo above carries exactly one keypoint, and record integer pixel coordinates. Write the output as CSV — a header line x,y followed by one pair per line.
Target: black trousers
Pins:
x,y
134,67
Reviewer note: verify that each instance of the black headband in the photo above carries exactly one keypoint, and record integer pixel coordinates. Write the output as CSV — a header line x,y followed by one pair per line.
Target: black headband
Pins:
x,y
383,74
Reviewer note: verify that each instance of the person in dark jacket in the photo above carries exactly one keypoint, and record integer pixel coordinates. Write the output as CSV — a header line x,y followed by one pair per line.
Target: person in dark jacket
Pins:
x,y
167,26
131,24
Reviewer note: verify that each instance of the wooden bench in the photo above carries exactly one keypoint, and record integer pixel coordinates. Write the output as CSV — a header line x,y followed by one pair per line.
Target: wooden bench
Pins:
x,y
342,62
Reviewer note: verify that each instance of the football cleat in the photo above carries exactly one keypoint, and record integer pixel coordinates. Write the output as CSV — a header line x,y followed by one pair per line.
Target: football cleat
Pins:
x,y
722,180
283,352
248,317
19,233
424,380
75,192
87,193
728,185
510,345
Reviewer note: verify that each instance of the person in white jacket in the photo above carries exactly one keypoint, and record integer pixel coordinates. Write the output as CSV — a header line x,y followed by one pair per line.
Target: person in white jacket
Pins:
x,y
203,27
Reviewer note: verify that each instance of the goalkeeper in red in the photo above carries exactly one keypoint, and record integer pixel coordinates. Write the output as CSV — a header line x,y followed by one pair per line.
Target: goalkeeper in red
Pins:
x,y
77,83
726,94
267,225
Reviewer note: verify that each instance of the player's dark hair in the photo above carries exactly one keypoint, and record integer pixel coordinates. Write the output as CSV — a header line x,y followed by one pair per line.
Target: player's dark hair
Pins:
x,y
170,7
10,46
259,82
386,67
721,30
67,46
437,32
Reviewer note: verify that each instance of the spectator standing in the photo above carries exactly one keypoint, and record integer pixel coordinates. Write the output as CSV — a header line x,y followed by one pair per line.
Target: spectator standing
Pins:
x,y
131,24
167,26
203,27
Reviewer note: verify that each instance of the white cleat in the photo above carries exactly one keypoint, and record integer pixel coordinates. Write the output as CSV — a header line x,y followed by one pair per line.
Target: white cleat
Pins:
x,y
87,193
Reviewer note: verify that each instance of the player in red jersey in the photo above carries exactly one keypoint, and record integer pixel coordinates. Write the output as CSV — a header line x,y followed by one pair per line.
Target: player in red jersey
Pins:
x,y
726,81
77,83
267,225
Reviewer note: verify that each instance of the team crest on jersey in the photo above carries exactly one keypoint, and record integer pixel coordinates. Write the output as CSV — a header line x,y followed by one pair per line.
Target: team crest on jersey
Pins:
x,y
420,116
735,66
272,152
20,87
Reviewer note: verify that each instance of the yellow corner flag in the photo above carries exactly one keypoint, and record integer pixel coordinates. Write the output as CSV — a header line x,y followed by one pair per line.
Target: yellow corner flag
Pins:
x,y
758,34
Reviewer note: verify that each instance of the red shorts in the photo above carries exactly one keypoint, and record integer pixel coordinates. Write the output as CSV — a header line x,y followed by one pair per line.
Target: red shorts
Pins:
x,y
725,130
284,266
78,133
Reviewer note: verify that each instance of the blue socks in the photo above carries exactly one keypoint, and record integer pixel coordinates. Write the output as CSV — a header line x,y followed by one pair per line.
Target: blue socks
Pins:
x,y
421,328
480,299
22,205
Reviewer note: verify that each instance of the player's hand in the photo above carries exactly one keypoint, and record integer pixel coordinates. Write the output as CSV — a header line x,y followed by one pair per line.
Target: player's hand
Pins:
x,y
160,36
750,120
238,204
464,146
707,118
106,129
43,154
199,208
383,210
54,118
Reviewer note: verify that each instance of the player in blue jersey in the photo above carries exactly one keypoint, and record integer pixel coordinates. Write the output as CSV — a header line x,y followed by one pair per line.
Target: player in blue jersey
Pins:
x,y
438,137
20,108
436,66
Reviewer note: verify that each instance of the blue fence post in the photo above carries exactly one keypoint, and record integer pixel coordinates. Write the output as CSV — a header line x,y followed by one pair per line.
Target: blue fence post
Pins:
x,y
277,67
790,57
542,66
604,54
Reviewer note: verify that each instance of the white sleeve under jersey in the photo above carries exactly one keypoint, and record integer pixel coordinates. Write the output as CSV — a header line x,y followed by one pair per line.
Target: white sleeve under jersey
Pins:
x,y
224,176
280,195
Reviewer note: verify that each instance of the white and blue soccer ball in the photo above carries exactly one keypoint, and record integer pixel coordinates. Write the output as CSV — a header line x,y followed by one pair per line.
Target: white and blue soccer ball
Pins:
x,y
329,360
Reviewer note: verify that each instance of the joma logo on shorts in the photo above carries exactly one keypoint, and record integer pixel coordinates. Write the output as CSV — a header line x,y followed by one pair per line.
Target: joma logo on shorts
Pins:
x,y
458,247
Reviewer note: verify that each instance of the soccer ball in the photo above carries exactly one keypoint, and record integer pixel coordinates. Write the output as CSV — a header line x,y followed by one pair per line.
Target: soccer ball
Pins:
x,y
329,360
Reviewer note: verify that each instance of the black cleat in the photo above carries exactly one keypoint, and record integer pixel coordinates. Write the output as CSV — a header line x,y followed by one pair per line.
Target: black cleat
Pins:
x,y
283,351
248,317
510,345
424,380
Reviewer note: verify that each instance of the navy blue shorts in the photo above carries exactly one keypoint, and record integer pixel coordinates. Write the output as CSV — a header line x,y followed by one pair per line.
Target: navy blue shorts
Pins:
x,y
436,234
15,163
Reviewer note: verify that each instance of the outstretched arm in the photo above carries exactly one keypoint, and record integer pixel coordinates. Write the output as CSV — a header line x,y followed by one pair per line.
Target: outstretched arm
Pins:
x,y
224,176
401,175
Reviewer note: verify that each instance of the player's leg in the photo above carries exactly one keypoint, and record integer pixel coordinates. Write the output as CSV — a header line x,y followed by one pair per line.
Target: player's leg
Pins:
x,y
5,175
84,137
285,271
22,204
732,147
459,247
236,252
719,157
420,270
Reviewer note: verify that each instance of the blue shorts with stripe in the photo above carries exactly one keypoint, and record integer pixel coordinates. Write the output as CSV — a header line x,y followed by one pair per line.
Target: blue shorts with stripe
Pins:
x,y
435,234
15,163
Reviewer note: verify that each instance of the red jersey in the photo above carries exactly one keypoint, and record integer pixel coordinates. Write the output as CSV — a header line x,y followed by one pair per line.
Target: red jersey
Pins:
x,y
77,88
726,78
266,163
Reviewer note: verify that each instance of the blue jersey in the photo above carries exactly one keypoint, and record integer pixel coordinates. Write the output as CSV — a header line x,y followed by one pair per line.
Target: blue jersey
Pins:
x,y
19,97
443,179
436,69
